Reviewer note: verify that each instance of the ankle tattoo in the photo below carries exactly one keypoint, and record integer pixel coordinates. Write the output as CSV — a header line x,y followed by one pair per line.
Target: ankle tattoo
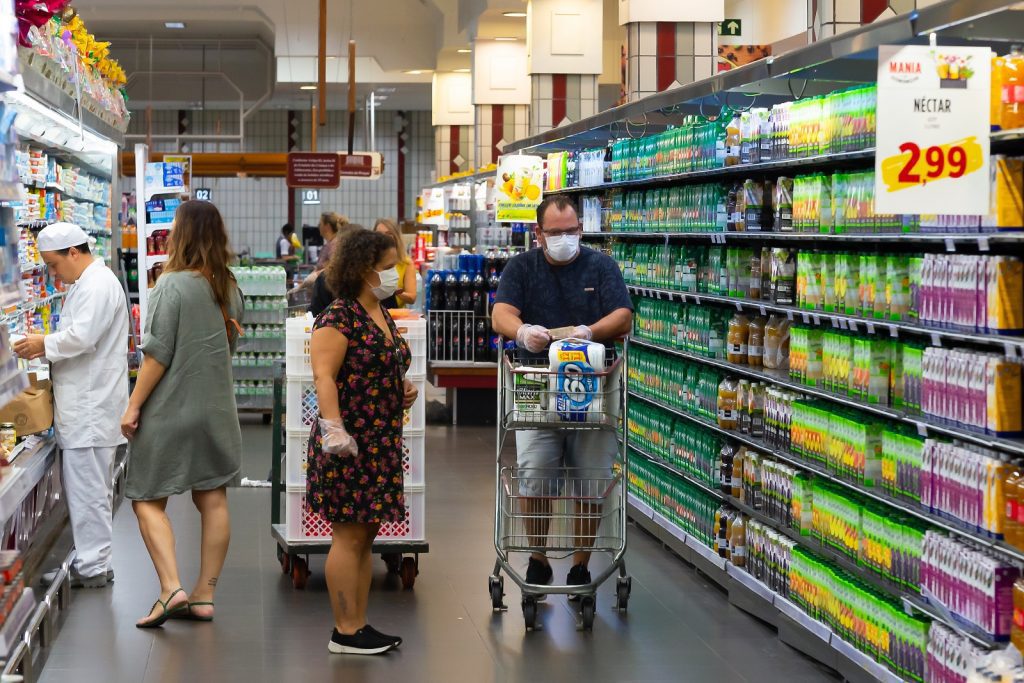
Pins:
x,y
212,583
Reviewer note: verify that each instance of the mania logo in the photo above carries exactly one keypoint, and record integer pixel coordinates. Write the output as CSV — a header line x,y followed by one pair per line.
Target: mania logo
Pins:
x,y
905,72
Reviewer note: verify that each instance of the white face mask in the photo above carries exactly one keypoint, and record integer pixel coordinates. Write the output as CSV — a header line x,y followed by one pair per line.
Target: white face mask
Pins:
x,y
388,283
562,248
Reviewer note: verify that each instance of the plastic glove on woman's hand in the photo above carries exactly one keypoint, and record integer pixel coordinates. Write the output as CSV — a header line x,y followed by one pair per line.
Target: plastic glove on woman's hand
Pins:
x,y
533,338
336,439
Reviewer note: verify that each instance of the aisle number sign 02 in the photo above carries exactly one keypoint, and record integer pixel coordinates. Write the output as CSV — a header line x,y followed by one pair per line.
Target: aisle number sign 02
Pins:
x,y
932,152
519,188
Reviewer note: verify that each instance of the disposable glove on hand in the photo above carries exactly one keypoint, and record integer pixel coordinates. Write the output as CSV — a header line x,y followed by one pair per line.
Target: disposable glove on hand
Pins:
x,y
533,338
336,439
582,332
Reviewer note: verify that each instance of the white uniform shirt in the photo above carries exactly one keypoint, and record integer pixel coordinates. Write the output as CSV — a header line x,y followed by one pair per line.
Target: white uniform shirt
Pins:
x,y
89,361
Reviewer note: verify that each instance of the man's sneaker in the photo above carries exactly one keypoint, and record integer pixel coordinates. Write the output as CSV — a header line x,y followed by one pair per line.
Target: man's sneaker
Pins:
x,y
395,639
78,581
362,642
579,575
539,573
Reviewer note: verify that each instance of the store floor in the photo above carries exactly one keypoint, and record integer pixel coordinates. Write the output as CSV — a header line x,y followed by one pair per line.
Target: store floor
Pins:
x,y
678,627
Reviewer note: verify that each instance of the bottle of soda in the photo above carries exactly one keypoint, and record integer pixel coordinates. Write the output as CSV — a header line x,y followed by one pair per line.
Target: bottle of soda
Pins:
x,y
436,282
454,342
481,342
465,291
480,294
437,337
451,291
468,330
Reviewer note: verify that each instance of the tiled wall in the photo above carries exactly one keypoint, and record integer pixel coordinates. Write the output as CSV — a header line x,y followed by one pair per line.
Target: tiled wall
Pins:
x,y
255,209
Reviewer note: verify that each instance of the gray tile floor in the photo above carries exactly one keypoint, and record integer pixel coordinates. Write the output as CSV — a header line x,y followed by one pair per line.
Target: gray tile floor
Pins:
x,y
679,628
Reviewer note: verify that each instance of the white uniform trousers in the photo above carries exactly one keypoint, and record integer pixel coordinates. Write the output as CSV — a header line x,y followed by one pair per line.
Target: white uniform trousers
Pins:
x,y
88,485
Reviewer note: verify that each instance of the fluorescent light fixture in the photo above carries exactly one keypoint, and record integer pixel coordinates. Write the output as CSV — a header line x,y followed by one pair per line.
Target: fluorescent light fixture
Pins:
x,y
174,24
506,39
461,71
514,15
307,87
415,72
464,51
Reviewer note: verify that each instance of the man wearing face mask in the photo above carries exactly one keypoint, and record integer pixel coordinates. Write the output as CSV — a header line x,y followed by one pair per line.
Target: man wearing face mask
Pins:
x,y
559,285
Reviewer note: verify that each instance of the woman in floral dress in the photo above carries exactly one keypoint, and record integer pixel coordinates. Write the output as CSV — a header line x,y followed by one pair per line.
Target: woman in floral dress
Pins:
x,y
354,479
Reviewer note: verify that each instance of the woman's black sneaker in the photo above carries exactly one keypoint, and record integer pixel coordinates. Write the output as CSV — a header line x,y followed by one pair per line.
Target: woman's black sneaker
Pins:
x,y
365,641
395,639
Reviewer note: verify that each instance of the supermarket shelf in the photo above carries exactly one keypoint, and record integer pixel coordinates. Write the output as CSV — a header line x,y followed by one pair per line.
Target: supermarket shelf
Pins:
x,y
951,526
672,469
153,259
472,178
53,187
10,192
816,637
911,600
32,459
1013,345
982,240
819,161
781,378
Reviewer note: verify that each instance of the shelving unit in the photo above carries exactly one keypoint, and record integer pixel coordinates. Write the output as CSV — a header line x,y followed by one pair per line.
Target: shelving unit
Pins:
x,y
262,345
825,67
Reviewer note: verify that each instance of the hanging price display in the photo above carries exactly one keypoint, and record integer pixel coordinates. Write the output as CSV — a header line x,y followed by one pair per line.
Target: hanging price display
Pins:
x,y
933,126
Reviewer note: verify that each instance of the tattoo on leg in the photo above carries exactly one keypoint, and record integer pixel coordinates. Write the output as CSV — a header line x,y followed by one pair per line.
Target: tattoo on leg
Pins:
x,y
212,583
342,602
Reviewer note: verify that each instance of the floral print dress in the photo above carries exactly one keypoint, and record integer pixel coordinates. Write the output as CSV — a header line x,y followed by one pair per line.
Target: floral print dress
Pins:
x,y
366,488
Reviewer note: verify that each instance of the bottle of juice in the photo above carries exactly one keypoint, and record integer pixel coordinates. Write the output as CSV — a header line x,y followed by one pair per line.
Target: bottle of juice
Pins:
x,y
1017,629
1013,89
1011,525
1018,540
996,100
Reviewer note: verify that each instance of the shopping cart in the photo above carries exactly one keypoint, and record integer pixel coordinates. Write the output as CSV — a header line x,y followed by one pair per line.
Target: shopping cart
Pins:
x,y
564,510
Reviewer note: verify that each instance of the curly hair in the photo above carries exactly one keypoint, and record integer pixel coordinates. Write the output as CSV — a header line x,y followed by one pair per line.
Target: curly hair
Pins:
x,y
352,259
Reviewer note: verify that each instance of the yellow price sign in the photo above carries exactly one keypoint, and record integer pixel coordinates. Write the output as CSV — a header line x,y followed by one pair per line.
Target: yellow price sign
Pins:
x,y
914,166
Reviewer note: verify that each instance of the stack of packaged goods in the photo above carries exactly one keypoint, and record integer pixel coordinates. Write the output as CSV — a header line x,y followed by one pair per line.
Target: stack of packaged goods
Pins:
x,y
263,340
302,413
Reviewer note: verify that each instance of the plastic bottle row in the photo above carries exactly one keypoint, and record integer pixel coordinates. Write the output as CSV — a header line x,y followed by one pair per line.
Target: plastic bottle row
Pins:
x,y
261,280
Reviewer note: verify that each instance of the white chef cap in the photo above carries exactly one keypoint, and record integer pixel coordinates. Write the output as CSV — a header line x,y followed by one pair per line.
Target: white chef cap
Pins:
x,y
61,236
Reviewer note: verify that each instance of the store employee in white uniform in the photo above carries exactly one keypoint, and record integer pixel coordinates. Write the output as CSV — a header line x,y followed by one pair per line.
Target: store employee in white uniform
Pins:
x,y
88,356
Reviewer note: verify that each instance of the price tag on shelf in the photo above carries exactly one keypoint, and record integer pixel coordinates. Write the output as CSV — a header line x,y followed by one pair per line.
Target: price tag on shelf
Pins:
x,y
894,331
807,318
922,429
936,339
739,306
1011,350
762,310
853,326
983,244
871,328
696,300
843,324
789,315
657,293
933,125
835,324
817,320
950,245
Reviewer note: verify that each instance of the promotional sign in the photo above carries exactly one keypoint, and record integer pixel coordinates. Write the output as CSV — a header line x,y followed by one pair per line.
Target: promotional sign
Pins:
x,y
519,191
312,169
365,165
433,203
933,126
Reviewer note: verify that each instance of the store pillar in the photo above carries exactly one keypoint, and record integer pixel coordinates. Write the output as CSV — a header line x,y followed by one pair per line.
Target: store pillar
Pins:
x,y
669,43
501,97
827,18
565,41
452,118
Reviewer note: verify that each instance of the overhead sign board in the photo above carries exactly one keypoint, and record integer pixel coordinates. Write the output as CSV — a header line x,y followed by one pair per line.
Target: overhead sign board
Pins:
x,y
314,170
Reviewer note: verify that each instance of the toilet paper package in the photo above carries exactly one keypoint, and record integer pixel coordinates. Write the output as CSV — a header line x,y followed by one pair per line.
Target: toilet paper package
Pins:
x,y
575,387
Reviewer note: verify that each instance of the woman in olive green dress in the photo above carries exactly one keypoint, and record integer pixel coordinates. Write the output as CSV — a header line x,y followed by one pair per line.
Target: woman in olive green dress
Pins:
x,y
182,417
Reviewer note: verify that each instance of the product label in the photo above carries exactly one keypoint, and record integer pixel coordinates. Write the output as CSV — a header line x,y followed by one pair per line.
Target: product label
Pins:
x,y
737,349
727,415
755,351
1018,618
1011,510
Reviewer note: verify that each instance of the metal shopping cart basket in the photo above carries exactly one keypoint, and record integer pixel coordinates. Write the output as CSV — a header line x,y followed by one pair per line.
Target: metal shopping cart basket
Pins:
x,y
563,510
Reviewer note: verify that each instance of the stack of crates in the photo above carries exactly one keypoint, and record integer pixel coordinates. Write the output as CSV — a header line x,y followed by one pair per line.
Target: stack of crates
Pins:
x,y
302,412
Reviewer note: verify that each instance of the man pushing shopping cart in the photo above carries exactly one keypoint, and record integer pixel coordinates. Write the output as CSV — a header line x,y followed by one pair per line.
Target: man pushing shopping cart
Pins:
x,y
564,414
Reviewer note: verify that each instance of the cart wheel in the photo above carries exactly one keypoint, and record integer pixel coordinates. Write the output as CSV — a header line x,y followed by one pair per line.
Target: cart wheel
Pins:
x,y
497,587
393,562
408,571
530,612
300,573
588,609
622,591
286,562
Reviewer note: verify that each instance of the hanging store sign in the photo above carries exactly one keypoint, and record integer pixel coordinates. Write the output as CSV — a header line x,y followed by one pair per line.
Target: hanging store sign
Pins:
x,y
310,197
204,194
312,169
932,152
519,188
365,165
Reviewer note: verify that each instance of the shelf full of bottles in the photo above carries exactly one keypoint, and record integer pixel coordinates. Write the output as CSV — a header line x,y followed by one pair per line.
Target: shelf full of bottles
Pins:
x,y
262,343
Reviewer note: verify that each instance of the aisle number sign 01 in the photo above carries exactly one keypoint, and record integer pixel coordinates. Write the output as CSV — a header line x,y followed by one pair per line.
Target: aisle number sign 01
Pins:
x,y
932,152
311,197
519,188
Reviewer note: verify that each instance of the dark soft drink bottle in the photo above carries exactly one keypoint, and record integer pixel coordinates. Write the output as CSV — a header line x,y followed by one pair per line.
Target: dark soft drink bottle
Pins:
x,y
437,338
468,330
465,291
436,283
454,341
481,342
451,291
480,294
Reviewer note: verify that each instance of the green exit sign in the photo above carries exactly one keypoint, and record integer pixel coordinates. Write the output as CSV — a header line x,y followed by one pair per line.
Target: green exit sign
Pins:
x,y
731,27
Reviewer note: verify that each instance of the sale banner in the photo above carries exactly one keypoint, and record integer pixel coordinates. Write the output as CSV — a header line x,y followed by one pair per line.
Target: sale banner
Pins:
x,y
519,188
932,152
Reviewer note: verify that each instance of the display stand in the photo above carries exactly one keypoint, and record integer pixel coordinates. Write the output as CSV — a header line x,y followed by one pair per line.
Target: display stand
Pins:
x,y
673,199
299,532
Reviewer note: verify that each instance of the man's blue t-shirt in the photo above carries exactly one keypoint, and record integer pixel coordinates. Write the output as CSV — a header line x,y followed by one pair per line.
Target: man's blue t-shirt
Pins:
x,y
580,293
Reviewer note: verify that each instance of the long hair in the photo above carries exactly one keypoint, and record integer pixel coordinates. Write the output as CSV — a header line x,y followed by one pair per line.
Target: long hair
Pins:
x,y
396,234
199,242
351,260
334,220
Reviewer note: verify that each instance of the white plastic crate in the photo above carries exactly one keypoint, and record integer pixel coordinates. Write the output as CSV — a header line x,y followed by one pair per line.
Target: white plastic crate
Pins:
x,y
303,525
301,406
297,452
415,333
297,335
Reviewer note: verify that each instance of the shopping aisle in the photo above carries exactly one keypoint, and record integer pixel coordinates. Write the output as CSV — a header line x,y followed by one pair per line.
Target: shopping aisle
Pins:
x,y
678,627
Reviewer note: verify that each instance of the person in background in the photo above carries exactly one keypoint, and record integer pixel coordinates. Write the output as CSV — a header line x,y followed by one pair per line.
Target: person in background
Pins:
x,y
330,224
182,417
561,285
406,295
285,246
354,476
322,295
89,368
